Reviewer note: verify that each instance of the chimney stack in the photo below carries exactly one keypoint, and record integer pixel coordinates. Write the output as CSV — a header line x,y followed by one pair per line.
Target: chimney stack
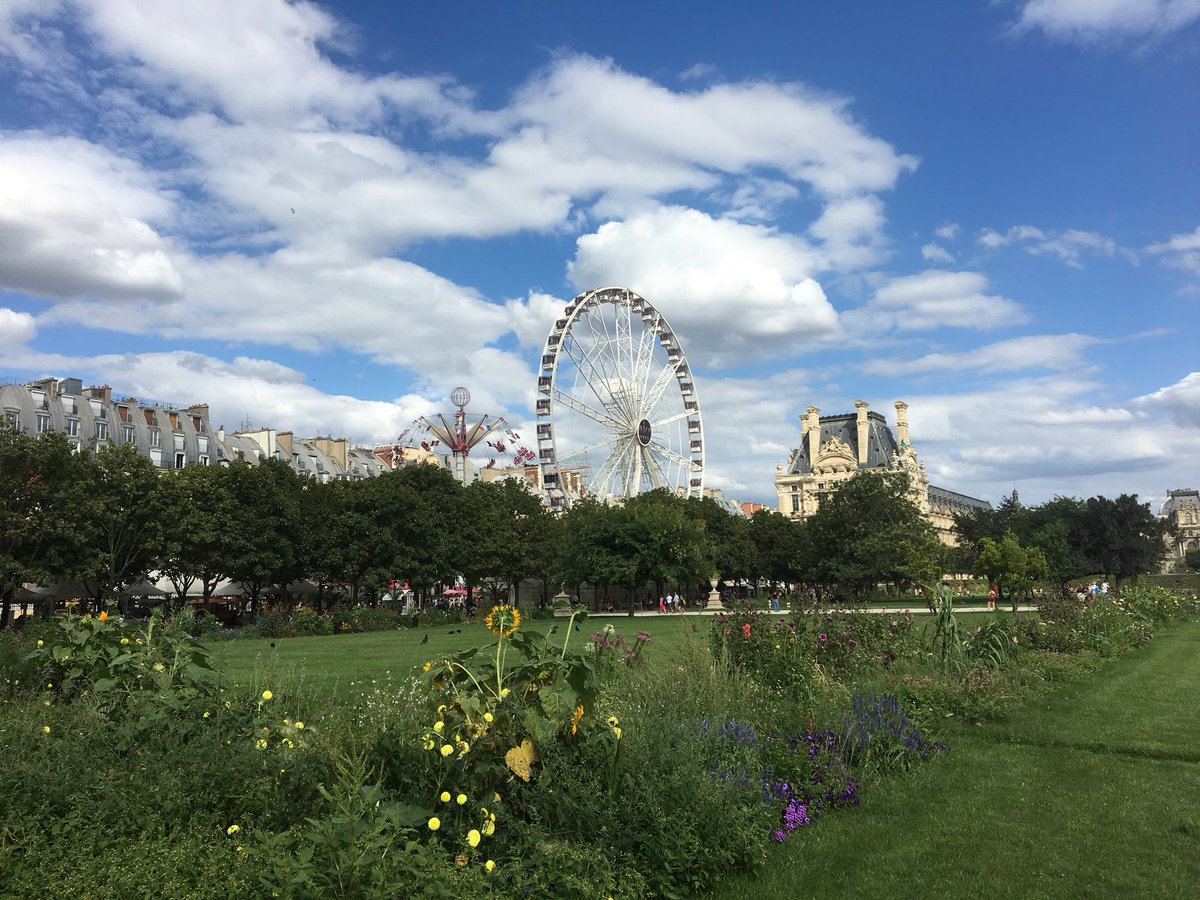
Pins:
x,y
814,433
902,422
860,411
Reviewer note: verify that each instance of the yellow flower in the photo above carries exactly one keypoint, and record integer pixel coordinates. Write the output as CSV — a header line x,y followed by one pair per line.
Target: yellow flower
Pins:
x,y
460,799
299,726
159,667
206,714
427,667
575,719
46,729
489,828
438,726
435,823
447,749
267,695
488,717
444,796
489,865
504,692
260,744
428,743
473,837
613,721
124,642
617,732
103,617
287,743
49,685
441,709
40,643
503,620
233,829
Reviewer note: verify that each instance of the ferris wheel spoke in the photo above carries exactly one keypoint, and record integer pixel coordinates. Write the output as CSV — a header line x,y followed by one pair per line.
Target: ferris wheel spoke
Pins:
x,y
606,471
583,451
659,423
660,385
670,454
586,369
584,409
656,473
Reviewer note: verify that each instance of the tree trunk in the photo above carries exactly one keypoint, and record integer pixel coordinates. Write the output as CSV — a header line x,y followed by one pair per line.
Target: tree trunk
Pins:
x,y
6,609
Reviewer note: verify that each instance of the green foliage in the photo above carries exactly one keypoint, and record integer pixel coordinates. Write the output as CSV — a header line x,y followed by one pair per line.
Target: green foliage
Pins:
x,y
1011,567
871,531
119,663
307,622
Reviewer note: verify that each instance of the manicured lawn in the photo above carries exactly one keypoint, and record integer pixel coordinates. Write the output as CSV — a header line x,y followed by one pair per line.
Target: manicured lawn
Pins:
x,y
1093,792
350,663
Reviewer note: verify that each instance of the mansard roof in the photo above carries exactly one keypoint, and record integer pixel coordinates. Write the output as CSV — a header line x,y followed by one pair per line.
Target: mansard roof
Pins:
x,y
881,443
1178,498
941,497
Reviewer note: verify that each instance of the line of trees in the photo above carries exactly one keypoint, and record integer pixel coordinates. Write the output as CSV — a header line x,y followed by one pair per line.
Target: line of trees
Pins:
x,y
105,518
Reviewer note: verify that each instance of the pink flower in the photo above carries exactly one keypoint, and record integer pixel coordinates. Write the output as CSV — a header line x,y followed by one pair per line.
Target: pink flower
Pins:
x,y
746,629
821,636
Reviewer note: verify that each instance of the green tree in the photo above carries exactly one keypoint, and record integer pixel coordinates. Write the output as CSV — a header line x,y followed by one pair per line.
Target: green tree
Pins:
x,y
871,531
36,522
1009,566
427,521
199,520
727,538
780,548
264,549
117,505
1122,537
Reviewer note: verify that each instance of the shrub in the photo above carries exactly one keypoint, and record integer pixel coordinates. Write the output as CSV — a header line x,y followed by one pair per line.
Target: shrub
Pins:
x,y
274,623
307,622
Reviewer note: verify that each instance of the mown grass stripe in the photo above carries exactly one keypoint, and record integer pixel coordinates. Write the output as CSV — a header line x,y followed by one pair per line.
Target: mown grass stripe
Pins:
x,y
1013,812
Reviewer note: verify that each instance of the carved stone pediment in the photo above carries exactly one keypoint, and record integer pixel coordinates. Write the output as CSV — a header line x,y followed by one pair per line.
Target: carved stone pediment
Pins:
x,y
835,456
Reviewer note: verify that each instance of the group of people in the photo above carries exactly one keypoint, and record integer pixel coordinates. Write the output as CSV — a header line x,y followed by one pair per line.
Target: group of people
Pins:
x,y
669,603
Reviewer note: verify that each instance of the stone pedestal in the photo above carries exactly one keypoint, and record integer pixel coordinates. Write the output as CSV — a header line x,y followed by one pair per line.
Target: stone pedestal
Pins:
x,y
714,596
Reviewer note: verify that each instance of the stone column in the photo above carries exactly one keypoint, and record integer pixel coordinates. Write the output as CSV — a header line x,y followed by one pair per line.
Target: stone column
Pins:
x,y
860,410
902,422
814,433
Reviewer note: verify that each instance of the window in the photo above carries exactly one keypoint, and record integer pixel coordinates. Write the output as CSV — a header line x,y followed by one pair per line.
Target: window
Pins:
x,y
102,431
39,400
149,414
180,460
98,410
795,503
127,433
156,456
197,423
43,422
204,460
202,442
155,438
73,427
13,418
179,442
69,406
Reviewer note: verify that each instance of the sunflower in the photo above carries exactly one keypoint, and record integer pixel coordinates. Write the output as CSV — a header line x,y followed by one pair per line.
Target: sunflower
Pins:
x,y
503,620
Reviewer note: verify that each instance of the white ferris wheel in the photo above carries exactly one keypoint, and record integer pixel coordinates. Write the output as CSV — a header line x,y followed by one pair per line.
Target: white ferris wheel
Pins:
x,y
617,409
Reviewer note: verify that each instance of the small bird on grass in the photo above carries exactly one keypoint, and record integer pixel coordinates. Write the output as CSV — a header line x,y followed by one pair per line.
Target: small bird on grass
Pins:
x,y
425,640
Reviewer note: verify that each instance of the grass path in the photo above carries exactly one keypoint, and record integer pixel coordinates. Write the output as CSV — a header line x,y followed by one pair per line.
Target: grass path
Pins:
x,y
1094,791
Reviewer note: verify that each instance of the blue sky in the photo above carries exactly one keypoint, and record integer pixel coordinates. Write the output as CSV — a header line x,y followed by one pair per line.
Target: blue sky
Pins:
x,y
986,209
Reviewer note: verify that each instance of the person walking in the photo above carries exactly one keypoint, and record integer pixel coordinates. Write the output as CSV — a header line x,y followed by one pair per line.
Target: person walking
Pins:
x,y
991,601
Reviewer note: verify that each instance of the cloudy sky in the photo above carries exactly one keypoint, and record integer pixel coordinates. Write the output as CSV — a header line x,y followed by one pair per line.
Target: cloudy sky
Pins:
x,y
322,217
